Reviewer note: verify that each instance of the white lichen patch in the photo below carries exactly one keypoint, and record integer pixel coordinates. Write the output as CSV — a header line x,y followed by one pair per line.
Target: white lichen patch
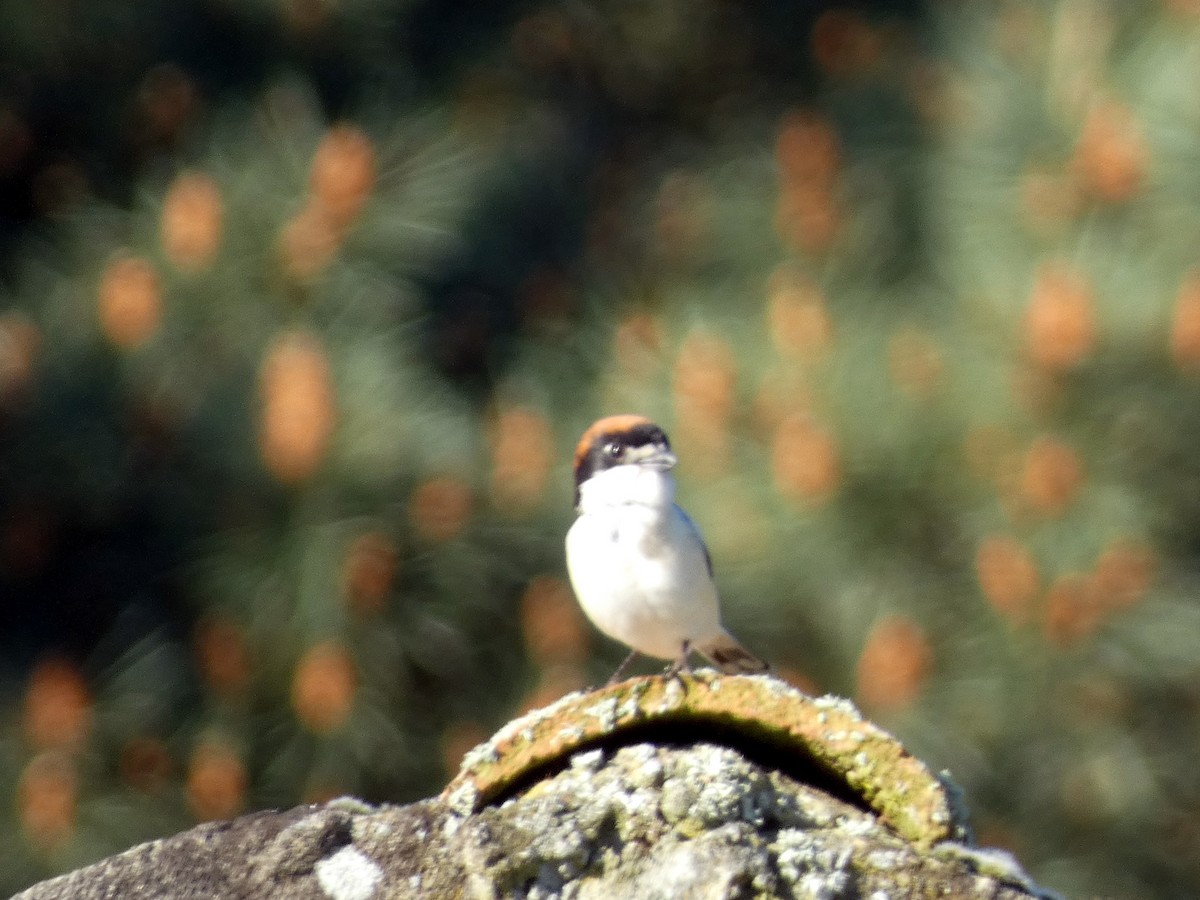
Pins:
x,y
372,827
605,712
776,686
714,786
451,825
348,874
997,864
711,786
481,754
631,706
837,704
588,761
822,886
464,798
856,825
799,853
673,696
641,765
350,804
887,860
572,734
637,804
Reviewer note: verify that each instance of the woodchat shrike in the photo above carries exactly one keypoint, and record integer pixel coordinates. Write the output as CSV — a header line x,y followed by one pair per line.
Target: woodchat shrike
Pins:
x,y
636,560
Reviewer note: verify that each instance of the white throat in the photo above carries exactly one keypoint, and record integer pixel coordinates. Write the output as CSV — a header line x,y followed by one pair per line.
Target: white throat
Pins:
x,y
625,486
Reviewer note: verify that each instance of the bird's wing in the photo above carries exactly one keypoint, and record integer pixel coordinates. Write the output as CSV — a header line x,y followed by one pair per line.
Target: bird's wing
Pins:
x,y
691,526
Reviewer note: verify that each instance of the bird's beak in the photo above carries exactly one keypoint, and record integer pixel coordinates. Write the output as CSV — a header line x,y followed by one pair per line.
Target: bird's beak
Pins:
x,y
655,457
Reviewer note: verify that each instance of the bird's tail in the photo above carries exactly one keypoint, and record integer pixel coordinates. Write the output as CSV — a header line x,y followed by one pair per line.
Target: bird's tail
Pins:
x,y
730,656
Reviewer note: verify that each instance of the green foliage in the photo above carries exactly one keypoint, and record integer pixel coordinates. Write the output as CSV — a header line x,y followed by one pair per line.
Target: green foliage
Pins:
x,y
292,365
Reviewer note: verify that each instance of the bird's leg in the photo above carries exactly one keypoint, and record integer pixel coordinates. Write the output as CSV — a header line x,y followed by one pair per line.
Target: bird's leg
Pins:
x,y
681,662
620,673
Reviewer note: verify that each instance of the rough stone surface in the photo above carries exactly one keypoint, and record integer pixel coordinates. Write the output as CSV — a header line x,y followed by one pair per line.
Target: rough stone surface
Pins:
x,y
635,814
823,740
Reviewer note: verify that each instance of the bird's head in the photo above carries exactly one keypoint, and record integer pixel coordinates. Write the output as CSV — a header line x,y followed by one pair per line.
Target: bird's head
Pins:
x,y
623,459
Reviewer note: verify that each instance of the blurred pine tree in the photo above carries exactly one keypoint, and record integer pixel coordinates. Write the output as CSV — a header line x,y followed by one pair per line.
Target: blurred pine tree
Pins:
x,y
295,338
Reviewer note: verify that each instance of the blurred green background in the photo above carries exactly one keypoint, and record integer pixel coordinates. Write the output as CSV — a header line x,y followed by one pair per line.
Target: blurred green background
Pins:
x,y
303,305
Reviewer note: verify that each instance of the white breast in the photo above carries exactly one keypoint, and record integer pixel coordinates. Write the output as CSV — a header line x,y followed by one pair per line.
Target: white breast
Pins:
x,y
641,575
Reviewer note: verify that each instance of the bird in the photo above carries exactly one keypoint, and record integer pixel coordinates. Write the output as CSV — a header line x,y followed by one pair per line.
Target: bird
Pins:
x,y
636,561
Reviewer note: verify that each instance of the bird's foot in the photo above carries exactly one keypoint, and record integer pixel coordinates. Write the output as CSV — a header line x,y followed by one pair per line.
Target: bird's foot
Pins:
x,y
620,673
681,665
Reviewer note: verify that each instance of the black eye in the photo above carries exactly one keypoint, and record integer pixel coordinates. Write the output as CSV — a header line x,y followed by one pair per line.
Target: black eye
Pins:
x,y
614,449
